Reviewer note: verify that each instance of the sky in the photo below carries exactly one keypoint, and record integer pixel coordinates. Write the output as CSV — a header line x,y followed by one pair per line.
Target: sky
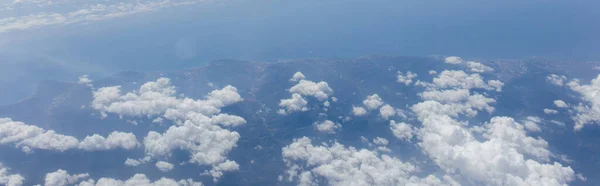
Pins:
x,y
68,40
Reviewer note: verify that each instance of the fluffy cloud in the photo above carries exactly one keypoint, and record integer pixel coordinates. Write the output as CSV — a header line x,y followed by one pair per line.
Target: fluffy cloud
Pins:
x,y
320,90
207,144
164,166
297,77
387,111
401,130
10,179
373,102
337,164
327,126
137,162
460,79
588,112
507,156
560,104
556,79
550,111
114,140
406,79
531,123
62,178
453,60
81,14
30,137
199,122
294,104
158,97
85,80
139,179
358,111
478,67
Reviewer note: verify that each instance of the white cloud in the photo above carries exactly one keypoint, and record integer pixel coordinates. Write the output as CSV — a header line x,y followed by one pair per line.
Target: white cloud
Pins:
x,y
358,111
294,104
373,102
217,171
432,72
62,178
337,164
30,136
207,144
387,111
84,13
327,126
199,122
114,140
158,97
478,67
550,111
401,130
406,79
132,162
320,90
588,112
136,162
507,156
459,79
380,141
556,79
297,77
560,104
164,166
85,80
10,179
531,124
495,84
139,179
453,60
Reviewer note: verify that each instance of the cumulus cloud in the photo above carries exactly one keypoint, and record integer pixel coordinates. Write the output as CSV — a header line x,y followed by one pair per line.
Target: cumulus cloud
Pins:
x,y
294,104
401,130
550,111
453,60
164,166
158,97
327,126
406,79
10,179
373,102
506,155
387,111
320,90
531,123
139,179
199,122
478,67
556,79
114,140
432,72
336,164
588,112
82,13
62,178
217,171
85,80
460,79
297,77
358,111
560,104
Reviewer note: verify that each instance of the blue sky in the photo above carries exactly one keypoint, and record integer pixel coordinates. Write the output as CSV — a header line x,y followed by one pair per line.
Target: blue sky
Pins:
x,y
171,37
